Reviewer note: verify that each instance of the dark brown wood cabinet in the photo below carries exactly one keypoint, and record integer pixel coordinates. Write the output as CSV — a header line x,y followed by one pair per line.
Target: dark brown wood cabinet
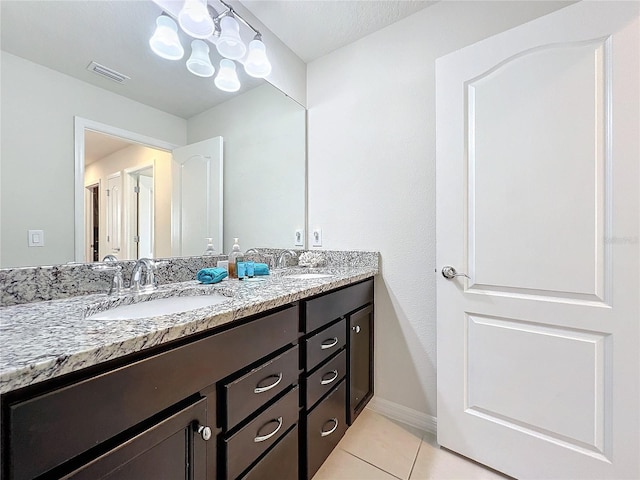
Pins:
x,y
263,398
337,364
173,448
360,361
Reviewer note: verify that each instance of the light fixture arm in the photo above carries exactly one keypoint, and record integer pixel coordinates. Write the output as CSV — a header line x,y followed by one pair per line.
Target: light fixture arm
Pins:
x,y
235,14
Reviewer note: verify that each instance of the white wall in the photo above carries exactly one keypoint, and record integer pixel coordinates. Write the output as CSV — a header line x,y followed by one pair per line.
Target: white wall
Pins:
x,y
264,172
37,152
135,157
372,172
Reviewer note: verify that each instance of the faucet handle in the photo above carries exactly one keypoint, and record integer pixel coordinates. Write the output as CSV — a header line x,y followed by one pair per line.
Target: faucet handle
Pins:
x,y
117,282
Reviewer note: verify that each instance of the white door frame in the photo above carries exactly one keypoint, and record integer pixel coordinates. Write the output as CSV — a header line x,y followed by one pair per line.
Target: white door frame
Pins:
x,y
80,125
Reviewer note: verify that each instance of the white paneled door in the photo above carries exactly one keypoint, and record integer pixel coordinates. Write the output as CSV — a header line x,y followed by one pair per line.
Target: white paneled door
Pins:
x,y
538,203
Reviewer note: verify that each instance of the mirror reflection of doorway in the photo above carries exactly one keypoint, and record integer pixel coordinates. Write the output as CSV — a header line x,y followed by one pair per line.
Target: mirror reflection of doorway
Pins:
x,y
120,219
92,208
142,213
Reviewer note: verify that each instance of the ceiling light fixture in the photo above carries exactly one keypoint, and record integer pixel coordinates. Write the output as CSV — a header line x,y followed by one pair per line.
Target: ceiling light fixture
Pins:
x,y
165,42
200,20
199,62
194,19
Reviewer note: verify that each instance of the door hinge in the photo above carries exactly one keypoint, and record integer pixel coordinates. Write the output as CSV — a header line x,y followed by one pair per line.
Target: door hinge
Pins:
x,y
136,189
136,239
108,192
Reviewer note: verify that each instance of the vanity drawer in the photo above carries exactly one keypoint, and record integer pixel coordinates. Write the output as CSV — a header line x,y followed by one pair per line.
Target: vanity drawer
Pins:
x,y
325,343
330,306
325,427
248,443
325,378
281,463
249,392
114,401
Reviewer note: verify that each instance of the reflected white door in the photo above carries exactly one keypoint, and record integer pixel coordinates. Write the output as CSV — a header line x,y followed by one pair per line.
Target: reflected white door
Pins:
x,y
537,201
114,215
145,215
197,199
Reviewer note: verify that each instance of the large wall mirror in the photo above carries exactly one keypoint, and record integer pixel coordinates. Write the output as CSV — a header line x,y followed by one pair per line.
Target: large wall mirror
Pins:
x,y
49,95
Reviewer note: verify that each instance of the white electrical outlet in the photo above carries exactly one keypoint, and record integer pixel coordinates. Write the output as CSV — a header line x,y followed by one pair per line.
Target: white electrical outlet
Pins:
x,y
317,237
298,240
36,238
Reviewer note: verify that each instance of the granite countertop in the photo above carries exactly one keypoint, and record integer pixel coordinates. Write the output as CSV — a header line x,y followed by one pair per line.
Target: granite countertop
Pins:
x,y
43,340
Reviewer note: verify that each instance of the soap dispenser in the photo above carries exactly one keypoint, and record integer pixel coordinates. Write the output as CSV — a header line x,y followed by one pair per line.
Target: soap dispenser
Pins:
x,y
209,250
234,257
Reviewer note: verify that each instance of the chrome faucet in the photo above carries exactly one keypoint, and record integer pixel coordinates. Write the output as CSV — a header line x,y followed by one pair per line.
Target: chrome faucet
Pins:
x,y
282,259
140,283
117,282
263,256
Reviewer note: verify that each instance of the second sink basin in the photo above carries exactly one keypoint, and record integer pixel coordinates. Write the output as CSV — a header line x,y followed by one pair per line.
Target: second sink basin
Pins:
x,y
309,276
159,306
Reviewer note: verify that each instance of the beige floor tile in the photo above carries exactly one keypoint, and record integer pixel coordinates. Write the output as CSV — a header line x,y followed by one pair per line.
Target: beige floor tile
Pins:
x,y
379,441
434,463
341,465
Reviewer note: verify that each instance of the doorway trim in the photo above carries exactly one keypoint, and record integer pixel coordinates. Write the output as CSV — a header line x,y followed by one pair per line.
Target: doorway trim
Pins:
x,y
80,125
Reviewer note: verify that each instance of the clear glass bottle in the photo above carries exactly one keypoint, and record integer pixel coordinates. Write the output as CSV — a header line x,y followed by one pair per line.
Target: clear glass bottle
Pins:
x,y
234,256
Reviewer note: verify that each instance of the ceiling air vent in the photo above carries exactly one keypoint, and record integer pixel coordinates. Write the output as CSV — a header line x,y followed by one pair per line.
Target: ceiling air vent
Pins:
x,y
107,72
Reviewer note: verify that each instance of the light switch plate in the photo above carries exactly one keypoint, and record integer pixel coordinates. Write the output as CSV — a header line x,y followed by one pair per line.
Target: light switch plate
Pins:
x,y
316,237
36,238
298,240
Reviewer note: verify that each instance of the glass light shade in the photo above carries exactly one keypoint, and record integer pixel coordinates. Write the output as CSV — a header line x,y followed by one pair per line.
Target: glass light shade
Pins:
x,y
227,79
230,44
195,20
199,62
257,64
165,42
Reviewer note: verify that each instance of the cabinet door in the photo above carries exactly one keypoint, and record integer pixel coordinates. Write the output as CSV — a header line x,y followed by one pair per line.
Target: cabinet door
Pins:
x,y
171,449
360,360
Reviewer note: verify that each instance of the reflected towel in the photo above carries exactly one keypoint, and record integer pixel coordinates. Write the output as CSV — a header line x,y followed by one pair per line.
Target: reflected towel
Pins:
x,y
211,275
261,269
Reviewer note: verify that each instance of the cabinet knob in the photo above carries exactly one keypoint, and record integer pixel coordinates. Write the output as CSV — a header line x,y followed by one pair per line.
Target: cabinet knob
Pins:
x,y
356,328
205,432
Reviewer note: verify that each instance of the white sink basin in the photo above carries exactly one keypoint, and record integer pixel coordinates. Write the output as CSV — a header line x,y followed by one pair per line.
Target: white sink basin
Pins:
x,y
308,276
159,306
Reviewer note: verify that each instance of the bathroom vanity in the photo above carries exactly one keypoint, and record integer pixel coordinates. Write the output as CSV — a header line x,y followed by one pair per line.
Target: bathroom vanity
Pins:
x,y
263,387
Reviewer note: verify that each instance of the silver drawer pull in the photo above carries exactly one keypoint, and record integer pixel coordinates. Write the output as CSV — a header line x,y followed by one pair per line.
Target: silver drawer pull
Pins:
x,y
268,387
329,432
334,342
331,380
269,435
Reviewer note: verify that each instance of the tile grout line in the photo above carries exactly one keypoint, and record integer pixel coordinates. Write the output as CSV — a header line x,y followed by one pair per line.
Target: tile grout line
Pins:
x,y
369,463
413,465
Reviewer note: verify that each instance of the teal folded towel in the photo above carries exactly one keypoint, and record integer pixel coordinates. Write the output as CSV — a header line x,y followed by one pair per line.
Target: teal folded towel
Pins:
x,y
261,269
211,275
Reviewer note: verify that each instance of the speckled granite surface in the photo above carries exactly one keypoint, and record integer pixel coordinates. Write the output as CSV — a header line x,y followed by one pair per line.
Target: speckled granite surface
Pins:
x,y
43,340
38,284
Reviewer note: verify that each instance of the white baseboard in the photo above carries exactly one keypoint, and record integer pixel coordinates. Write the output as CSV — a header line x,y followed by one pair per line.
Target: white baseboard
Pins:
x,y
403,414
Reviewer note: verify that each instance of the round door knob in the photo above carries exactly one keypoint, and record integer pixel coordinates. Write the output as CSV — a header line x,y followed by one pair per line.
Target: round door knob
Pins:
x,y
205,432
356,328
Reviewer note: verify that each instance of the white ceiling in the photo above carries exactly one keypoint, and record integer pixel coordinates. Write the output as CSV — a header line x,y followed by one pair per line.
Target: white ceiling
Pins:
x,y
313,28
67,35
99,145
